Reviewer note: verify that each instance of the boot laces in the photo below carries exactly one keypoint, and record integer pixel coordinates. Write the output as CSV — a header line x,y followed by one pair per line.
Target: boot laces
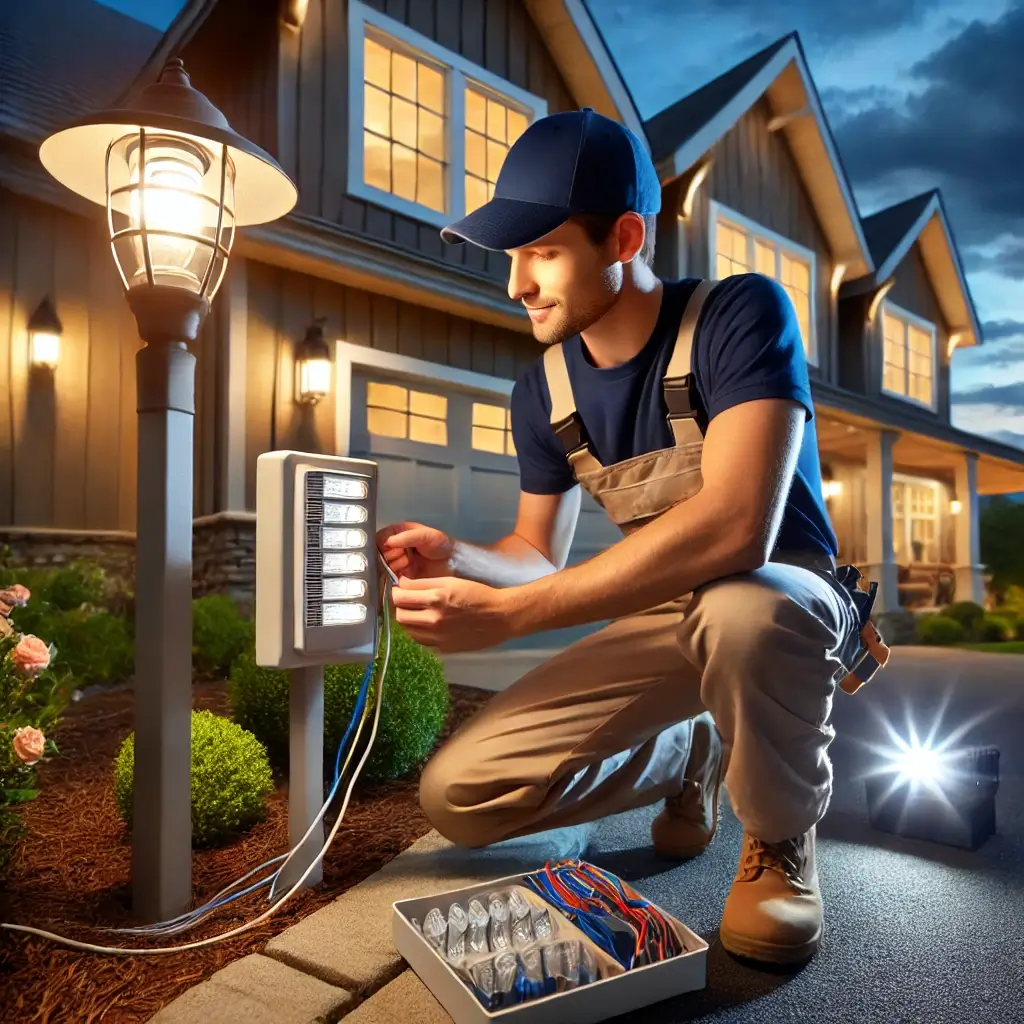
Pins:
x,y
787,857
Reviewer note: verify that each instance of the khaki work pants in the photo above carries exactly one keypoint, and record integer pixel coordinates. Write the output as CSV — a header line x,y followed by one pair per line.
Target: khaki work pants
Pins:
x,y
604,726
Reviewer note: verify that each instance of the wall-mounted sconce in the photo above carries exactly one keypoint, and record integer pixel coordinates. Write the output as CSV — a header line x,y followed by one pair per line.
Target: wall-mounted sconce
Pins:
x,y
877,300
838,273
831,489
312,365
44,331
293,13
955,507
954,339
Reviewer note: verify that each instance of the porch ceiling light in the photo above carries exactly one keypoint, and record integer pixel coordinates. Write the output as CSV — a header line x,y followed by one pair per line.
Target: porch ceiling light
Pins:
x,y
312,365
44,331
176,180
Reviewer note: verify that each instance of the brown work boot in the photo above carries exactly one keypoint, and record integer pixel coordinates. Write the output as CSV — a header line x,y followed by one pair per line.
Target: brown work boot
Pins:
x,y
688,822
773,911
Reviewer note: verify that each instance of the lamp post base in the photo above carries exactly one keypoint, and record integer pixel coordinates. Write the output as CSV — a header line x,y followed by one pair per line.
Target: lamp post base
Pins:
x,y
162,806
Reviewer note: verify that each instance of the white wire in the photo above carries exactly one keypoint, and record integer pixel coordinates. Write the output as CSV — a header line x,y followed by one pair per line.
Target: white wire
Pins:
x,y
91,948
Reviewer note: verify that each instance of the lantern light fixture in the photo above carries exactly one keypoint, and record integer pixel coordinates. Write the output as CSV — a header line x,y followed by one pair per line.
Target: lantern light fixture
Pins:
x,y
44,332
955,507
313,365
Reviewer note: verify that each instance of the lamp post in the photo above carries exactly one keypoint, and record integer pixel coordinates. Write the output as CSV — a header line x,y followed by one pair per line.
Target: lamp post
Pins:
x,y
176,180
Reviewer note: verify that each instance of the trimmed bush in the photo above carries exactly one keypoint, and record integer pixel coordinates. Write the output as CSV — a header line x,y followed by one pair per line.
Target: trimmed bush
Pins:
x,y
231,776
940,630
995,629
968,613
416,703
219,634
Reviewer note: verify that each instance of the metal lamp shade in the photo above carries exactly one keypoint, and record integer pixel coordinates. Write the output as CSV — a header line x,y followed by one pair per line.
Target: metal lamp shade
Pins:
x,y
175,179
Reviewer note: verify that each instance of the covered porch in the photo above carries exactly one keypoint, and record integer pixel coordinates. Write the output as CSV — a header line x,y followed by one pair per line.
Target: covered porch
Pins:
x,y
904,504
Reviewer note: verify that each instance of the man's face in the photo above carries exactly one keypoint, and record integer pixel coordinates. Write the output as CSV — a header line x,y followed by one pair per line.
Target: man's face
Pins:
x,y
565,282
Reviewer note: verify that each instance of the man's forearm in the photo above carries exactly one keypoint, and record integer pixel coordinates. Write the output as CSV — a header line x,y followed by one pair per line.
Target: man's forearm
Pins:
x,y
687,546
510,562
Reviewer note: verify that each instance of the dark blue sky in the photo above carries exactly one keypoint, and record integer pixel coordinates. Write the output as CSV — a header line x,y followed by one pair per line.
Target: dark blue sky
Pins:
x,y
920,93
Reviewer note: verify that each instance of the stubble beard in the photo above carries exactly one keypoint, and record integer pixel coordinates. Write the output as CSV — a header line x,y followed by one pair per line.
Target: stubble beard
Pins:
x,y
567,320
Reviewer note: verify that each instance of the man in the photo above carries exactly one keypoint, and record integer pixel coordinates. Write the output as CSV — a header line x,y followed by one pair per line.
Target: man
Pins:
x,y
730,626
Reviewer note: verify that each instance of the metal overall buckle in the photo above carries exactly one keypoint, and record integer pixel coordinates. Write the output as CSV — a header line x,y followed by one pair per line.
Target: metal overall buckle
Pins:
x,y
873,653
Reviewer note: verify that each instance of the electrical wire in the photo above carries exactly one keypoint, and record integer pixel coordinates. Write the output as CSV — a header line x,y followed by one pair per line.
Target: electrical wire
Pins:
x,y
115,950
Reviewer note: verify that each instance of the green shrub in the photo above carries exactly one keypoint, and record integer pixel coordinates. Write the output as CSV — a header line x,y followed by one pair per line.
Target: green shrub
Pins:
x,y
219,634
231,776
995,628
897,627
416,703
940,630
968,613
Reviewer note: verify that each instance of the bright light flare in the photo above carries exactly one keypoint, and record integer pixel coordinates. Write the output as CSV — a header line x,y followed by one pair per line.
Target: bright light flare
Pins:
x,y
920,764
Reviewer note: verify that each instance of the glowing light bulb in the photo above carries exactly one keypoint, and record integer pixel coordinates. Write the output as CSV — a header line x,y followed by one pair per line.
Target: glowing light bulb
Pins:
x,y
920,764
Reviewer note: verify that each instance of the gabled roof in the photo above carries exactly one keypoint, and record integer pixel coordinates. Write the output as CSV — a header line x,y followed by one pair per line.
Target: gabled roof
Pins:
x,y
892,233
62,58
584,60
684,132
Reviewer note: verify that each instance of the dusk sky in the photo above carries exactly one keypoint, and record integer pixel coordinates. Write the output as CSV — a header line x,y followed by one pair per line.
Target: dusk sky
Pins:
x,y
920,94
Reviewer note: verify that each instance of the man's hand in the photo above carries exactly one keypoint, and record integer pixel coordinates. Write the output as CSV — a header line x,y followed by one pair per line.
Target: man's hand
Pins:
x,y
452,614
415,550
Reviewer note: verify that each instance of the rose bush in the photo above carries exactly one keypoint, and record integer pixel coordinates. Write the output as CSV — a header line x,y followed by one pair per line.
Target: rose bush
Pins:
x,y
33,695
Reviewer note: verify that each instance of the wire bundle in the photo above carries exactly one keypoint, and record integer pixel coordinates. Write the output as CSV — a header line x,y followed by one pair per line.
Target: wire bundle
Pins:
x,y
609,912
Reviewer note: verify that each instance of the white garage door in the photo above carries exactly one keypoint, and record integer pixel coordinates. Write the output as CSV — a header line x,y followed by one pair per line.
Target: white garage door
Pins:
x,y
447,459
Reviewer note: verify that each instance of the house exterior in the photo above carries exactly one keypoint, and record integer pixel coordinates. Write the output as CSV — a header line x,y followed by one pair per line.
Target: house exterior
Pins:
x,y
393,116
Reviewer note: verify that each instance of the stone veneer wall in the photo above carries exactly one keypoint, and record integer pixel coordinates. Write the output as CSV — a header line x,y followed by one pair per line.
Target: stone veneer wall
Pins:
x,y
223,553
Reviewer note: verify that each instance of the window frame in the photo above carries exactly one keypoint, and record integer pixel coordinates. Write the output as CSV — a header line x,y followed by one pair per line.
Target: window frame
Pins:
x,y
458,74
720,212
906,482
909,320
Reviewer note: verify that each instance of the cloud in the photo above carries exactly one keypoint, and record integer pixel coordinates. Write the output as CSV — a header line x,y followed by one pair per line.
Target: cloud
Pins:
x,y
996,330
1004,397
962,129
1007,258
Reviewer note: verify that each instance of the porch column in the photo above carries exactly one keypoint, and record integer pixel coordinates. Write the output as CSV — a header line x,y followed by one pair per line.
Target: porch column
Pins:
x,y
881,565
969,583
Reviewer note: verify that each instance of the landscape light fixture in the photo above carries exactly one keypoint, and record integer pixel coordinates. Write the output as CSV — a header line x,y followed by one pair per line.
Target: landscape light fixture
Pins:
x,y
44,331
176,181
313,365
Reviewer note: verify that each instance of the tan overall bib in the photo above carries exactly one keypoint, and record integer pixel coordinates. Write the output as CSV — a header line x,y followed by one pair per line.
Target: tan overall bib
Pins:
x,y
605,725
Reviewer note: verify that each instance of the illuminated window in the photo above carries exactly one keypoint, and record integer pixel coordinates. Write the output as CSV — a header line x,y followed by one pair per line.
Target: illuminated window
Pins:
x,y
740,247
491,128
492,429
429,130
908,357
915,521
395,411
403,125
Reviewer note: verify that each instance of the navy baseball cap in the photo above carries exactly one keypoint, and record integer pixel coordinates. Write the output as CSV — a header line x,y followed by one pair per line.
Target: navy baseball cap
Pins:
x,y
567,163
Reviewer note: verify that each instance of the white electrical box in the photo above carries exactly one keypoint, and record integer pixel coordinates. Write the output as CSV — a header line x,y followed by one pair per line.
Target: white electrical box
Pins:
x,y
317,573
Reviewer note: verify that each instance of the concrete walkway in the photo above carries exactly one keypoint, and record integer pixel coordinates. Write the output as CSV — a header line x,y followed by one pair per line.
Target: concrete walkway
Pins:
x,y
340,961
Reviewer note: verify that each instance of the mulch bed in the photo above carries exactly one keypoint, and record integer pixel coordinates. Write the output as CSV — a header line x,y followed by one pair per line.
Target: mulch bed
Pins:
x,y
74,869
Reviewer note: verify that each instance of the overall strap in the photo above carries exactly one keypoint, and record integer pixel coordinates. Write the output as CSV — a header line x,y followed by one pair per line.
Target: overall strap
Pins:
x,y
565,420
679,385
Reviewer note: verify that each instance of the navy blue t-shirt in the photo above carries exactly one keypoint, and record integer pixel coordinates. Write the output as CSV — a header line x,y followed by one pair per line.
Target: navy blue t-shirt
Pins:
x,y
747,347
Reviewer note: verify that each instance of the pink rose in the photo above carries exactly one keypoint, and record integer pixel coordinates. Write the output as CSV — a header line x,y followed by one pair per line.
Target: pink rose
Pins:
x,y
31,655
15,595
29,744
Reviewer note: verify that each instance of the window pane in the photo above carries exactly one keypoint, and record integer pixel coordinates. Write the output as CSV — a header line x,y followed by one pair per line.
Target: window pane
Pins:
x,y
476,154
892,379
476,112
796,273
403,122
377,112
495,158
431,89
723,266
376,161
476,193
516,125
488,415
386,422
428,405
739,247
403,76
403,170
487,440
427,430
387,396
431,135
430,183
377,64
510,445
496,121
764,259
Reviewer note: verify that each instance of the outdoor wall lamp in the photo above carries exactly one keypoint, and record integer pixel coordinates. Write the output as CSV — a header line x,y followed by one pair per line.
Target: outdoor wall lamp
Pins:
x,y
831,488
44,331
312,365
175,180
955,507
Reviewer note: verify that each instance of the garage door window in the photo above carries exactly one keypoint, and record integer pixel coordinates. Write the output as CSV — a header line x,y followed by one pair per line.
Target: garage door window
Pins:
x,y
395,411
492,429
